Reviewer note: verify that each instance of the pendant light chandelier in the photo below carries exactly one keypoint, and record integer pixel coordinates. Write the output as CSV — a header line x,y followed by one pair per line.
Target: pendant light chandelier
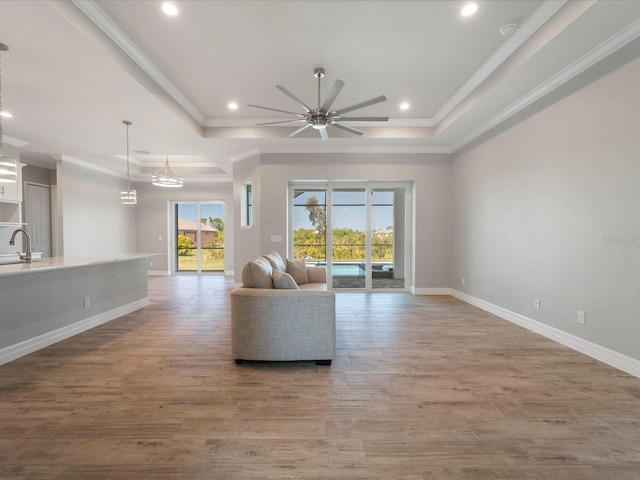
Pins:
x,y
167,177
8,166
128,196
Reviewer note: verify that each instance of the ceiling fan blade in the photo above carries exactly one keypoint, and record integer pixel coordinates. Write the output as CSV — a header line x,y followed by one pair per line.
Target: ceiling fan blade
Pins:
x,y
362,119
299,130
366,103
276,110
293,97
335,90
323,133
282,121
347,128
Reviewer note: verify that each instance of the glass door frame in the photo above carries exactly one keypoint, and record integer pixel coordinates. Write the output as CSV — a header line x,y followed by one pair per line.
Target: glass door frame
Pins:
x,y
369,187
173,235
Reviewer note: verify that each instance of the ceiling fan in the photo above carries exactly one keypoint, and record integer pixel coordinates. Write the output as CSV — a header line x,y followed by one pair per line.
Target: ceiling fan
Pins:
x,y
322,117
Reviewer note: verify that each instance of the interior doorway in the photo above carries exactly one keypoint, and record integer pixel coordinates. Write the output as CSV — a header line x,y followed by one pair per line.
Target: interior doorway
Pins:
x,y
359,231
199,237
37,215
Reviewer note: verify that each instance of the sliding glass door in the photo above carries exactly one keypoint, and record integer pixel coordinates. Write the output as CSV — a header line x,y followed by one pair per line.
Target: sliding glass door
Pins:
x,y
388,237
348,243
199,237
358,232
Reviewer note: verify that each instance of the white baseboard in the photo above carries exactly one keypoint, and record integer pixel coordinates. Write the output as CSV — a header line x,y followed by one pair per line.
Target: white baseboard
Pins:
x,y
603,354
158,273
26,347
430,291
166,273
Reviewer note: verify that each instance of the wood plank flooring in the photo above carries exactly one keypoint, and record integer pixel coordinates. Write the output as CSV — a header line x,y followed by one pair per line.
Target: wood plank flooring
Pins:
x,y
423,388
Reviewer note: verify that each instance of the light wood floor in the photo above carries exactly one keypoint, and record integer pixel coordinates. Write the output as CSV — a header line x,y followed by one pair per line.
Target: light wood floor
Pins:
x,y
423,388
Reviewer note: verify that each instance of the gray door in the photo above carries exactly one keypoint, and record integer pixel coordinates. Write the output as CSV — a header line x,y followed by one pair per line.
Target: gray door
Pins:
x,y
37,206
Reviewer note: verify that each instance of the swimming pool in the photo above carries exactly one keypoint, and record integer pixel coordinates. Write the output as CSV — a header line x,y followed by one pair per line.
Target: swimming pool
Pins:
x,y
345,269
348,269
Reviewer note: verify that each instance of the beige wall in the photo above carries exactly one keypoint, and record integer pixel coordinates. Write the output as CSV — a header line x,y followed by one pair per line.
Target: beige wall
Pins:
x,y
91,219
246,239
431,177
549,210
153,222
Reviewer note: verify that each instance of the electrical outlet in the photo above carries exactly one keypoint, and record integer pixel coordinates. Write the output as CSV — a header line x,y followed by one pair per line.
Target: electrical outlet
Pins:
x,y
462,281
87,302
582,318
536,304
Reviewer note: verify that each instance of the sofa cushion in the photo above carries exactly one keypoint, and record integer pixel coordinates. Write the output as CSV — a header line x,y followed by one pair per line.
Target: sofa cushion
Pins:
x,y
276,262
313,286
257,274
283,280
298,270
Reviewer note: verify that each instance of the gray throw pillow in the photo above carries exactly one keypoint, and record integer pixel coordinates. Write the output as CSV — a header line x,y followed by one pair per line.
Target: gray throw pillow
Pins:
x,y
257,274
283,280
298,270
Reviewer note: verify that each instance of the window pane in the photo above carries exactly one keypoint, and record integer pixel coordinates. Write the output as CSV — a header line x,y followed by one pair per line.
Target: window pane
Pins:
x,y
348,236
200,241
309,225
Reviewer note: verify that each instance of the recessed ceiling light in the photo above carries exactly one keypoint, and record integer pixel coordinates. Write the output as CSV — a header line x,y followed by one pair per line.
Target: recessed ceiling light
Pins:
x,y
405,106
232,106
6,115
469,9
169,8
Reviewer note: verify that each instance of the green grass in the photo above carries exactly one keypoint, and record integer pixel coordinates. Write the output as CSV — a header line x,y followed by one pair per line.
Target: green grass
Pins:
x,y
190,262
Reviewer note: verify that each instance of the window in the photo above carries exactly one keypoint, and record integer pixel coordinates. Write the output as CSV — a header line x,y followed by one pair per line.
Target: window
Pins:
x,y
247,206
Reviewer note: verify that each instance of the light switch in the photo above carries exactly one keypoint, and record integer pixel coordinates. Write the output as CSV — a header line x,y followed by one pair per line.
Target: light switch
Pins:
x,y
276,238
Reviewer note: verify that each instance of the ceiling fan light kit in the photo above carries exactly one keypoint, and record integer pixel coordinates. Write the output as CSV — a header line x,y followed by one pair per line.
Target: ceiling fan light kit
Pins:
x,y
322,117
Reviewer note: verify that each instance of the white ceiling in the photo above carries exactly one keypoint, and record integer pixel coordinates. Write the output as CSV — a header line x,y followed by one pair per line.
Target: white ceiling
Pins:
x,y
75,70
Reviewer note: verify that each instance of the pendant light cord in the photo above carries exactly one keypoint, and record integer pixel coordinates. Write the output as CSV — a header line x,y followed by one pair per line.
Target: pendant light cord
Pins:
x,y
127,123
128,157
3,47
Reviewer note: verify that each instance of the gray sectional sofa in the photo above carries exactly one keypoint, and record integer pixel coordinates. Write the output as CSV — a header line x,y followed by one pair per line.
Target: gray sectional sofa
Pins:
x,y
283,312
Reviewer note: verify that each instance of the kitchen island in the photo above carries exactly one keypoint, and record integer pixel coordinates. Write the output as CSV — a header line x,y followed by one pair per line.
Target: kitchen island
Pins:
x,y
54,298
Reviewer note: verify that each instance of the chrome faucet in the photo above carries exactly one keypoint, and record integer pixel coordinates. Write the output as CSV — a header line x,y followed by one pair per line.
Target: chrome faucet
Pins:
x,y
27,255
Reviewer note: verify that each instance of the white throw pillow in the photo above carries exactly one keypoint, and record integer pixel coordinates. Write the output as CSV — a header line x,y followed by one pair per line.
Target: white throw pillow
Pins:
x,y
276,261
298,270
283,280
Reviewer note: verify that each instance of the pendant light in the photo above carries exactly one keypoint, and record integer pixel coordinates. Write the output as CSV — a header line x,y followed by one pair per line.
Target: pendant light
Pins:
x,y
8,166
128,196
167,177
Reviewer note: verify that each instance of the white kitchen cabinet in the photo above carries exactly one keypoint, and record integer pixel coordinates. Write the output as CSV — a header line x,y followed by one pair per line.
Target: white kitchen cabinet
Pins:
x,y
11,191
11,201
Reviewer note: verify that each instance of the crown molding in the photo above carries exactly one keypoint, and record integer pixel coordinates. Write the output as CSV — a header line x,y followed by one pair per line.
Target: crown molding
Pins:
x,y
606,48
122,40
522,33
366,149
252,152
253,122
85,164
14,141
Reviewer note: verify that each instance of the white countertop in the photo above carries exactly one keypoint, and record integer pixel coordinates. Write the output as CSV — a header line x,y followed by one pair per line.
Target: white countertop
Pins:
x,y
56,263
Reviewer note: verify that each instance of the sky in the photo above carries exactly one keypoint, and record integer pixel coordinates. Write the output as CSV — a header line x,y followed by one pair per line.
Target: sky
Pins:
x,y
348,210
188,211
